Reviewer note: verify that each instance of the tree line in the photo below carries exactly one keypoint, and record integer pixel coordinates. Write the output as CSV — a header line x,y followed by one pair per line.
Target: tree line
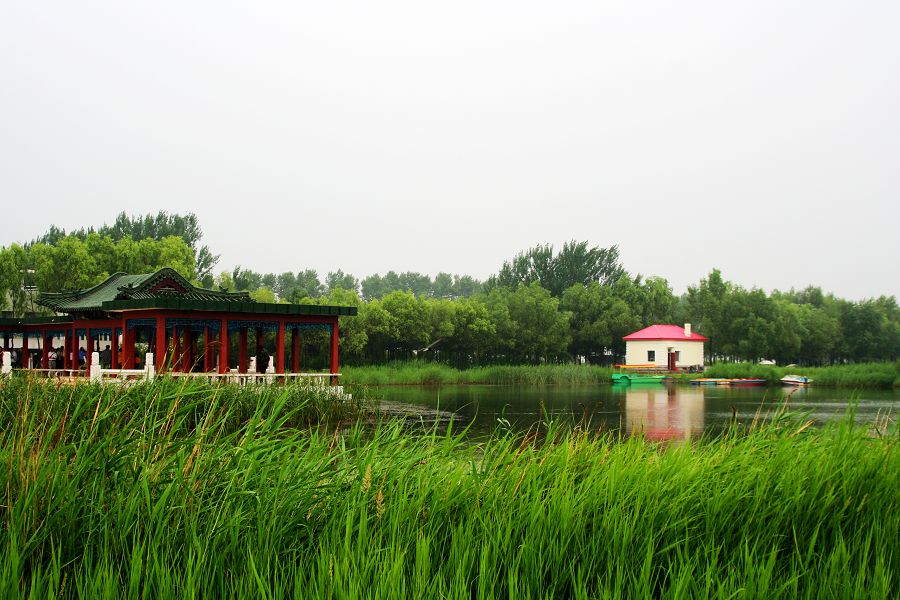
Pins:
x,y
542,305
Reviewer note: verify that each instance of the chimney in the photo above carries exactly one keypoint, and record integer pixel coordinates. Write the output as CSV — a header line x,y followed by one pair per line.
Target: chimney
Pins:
x,y
687,330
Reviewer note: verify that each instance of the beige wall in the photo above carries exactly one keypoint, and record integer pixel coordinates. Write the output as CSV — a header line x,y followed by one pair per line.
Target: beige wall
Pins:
x,y
691,352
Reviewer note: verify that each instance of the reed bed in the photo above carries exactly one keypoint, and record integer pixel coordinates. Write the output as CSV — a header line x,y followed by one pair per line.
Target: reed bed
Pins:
x,y
866,375
423,373
168,492
885,375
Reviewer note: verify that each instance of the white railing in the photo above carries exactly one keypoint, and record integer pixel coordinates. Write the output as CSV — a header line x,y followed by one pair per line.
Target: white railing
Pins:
x,y
98,374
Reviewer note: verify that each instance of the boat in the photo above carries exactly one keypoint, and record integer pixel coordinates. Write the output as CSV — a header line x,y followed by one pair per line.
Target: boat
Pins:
x,y
710,381
636,378
796,380
746,381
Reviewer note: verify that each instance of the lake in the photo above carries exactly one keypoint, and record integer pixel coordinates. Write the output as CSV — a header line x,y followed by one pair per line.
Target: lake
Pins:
x,y
658,411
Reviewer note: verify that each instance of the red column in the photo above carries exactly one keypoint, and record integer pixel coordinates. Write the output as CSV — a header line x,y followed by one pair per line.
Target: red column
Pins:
x,y
114,348
223,347
127,347
187,359
45,357
207,356
295,351
89,350
242,351
334,350
176,350
161,348
24,349
279,349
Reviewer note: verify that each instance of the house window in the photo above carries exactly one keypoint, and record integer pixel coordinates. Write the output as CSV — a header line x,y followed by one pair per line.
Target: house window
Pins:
x,y
677,355
651,355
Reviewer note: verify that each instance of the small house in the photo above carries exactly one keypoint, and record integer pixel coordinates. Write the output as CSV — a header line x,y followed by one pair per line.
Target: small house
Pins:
x,y
665,346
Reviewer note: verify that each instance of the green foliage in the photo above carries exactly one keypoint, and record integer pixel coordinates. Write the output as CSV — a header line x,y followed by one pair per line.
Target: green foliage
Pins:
x,y
263,294
74,263
340,280
156,227
541,307
444,285
576,263
529,324
167,491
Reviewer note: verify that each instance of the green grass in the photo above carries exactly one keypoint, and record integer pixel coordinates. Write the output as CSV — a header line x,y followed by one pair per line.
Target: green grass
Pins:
x,y
163,491
422,373
867,375
884,375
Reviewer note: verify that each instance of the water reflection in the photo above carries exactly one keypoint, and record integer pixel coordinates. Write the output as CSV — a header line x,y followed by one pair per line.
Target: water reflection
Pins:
x,y
656,411
665,412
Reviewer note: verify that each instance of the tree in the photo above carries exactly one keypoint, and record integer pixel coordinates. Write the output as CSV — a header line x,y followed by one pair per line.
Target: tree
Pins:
x,y
575,263
600,319
263,294
442,286
155,227
245,279
473,331
12,266
340,280
532,328
293,287
69,265
704,308
410,329
353,338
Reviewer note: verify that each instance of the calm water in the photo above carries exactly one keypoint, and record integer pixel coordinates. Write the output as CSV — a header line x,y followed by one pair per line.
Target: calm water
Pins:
x,y
659,411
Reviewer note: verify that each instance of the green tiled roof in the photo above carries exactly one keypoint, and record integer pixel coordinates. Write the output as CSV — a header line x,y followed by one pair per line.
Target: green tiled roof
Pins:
x,y
164,284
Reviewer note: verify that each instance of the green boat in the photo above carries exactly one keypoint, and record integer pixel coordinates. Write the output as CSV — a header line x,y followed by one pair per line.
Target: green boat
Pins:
x,y
637,378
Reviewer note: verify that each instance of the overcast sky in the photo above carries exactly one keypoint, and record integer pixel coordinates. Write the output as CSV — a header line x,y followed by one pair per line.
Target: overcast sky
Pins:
x,y
759,137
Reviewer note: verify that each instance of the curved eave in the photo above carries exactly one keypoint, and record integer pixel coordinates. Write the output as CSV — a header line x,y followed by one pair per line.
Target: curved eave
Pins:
x,y
54,299
229,307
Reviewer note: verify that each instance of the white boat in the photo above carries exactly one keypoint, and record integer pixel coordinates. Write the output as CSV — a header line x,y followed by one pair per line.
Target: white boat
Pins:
x,y
796,380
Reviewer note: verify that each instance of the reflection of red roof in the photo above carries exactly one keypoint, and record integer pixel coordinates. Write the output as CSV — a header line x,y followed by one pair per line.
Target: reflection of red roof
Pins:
x,y
664,332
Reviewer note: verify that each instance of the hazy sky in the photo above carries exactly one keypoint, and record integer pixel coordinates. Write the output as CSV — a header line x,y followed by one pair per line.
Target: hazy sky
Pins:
x,y
759,137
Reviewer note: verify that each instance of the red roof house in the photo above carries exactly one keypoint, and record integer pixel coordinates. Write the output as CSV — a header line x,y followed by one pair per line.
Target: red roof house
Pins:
x,y
665,346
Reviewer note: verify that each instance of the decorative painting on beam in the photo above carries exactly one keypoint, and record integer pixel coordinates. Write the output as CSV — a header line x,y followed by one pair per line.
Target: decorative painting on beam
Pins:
x,y
95,331
251,324
196,325
309,326
139,323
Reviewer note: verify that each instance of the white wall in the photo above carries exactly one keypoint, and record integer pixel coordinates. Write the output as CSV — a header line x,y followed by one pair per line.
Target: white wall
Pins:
x,y
691,352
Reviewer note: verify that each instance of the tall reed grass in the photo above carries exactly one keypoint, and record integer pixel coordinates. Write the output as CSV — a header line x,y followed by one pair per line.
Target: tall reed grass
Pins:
x,y
422,373
168,492
867,375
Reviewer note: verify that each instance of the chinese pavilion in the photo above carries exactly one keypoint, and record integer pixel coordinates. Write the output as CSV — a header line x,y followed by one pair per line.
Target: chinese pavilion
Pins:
x,y
186,327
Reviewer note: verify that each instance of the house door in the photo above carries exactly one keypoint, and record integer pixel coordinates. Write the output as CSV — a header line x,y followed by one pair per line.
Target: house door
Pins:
x,y
671,360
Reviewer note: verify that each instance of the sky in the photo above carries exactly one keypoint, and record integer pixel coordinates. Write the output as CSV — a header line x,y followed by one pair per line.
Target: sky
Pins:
x,y
758,137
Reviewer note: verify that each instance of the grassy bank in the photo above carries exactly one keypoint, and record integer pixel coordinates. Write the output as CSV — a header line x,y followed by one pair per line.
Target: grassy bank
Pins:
x,y
866,375
160,493
422,373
